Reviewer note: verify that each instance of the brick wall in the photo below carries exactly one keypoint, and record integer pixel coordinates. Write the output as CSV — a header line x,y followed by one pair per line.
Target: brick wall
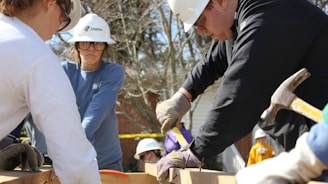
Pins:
x,y
129,145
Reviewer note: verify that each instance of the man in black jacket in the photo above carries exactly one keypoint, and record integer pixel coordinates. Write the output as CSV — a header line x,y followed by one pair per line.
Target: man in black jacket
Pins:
x,y
261,43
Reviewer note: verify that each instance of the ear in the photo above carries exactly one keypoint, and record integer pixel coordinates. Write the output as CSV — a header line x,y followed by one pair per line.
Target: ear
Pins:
x,y
220,4
49,4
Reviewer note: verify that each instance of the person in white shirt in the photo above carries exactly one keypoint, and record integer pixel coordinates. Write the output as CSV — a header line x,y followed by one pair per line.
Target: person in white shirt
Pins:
x,y
32,80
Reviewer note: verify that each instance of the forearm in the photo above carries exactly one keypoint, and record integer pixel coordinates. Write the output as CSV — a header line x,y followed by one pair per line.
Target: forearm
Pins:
x,y
306,161
59,120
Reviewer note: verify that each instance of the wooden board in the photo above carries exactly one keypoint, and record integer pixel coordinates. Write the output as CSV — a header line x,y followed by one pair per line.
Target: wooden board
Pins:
x,y
19,177
194,176
177,176
47,175
132,178
197,176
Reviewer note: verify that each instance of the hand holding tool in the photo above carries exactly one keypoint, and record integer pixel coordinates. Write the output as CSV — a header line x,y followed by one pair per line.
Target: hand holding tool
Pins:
x,y
175,159
284,98
297,166
172,110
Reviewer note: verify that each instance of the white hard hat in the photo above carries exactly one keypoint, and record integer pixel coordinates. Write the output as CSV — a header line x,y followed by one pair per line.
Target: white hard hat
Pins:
x,y
259,133
147,144
188,10
74,15
91,28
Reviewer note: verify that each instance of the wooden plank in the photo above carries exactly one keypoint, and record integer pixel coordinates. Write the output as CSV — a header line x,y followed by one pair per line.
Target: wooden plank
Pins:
x,y
150,168
132,178
48,176
20,177
195,176
176,176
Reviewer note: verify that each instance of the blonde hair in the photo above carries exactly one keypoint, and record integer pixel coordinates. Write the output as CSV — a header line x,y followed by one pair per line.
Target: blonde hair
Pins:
x,y
74,53
12,7
9,7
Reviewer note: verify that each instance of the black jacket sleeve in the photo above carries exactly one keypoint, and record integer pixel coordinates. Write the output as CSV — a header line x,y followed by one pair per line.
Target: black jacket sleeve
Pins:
x,y
207,71
274,39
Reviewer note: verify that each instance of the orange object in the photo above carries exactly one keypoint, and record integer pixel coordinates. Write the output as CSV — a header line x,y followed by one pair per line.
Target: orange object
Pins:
x,y
113,172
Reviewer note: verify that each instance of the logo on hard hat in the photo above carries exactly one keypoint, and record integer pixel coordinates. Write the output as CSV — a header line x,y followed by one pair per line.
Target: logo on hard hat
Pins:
x,y
88,28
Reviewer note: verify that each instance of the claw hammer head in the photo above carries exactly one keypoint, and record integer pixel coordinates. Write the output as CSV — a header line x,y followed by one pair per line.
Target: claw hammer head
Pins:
x,y
284,96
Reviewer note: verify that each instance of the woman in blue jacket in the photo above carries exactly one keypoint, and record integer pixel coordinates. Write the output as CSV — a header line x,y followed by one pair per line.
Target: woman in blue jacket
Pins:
x,y
96,85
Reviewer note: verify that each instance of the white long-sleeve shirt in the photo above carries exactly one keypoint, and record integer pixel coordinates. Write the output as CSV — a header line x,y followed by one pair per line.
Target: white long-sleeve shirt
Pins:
x,y
32,80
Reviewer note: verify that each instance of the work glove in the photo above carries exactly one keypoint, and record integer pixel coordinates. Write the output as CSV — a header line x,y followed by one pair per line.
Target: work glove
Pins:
x,y
172,110
9,139
175,159
20,154
297,166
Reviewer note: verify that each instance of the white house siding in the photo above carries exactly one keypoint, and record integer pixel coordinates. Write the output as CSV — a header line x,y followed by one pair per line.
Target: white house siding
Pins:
x,y
201,110
230,158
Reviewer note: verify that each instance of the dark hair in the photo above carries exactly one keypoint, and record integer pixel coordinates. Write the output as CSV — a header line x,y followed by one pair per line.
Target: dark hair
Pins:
x,y
209,5
75,55
158,153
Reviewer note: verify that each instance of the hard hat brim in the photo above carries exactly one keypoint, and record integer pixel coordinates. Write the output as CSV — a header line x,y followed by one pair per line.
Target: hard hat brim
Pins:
x,y
259,137
75,15
187,24
137,154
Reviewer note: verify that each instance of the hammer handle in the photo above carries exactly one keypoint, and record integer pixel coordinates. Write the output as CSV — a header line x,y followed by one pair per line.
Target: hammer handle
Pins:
x,y
302,107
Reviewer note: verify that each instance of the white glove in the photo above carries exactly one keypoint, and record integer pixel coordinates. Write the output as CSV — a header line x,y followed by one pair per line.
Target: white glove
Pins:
x,y
297,166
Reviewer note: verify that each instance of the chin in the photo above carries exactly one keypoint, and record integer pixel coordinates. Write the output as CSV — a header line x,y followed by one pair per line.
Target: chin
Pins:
x,y
47,38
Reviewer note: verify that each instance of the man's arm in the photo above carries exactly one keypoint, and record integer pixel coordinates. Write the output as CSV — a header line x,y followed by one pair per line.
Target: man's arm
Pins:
x,y
206,72
306,161
53,107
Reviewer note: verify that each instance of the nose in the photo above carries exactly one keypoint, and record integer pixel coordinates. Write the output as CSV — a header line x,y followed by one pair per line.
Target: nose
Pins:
x,y
92,46
200,31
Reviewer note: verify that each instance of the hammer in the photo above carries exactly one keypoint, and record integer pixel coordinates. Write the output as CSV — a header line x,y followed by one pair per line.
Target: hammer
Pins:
x,y
284,98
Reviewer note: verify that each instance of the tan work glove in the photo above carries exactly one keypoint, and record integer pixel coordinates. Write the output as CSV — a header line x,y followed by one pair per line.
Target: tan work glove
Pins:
x,y
25,155
172,110
297,166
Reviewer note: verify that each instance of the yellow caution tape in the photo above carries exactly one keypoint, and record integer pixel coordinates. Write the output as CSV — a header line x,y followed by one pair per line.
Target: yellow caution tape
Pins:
x,y
128,136
131,136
